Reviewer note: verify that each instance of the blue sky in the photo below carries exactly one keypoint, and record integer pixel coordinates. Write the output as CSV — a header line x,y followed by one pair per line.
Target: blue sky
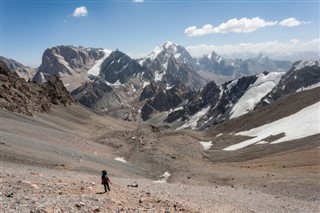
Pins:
x,y
29,27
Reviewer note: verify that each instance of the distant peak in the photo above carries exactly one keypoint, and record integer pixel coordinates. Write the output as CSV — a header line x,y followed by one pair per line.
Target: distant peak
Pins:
x,y
167,44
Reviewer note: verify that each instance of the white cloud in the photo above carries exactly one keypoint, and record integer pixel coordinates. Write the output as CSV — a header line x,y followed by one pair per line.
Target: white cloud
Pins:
x,y
138,1
294,45
292,22
80,12
243,25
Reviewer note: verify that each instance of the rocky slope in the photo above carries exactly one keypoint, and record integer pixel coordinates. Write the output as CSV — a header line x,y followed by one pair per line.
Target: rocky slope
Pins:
x,y
23,71
17,95
52,162
85,70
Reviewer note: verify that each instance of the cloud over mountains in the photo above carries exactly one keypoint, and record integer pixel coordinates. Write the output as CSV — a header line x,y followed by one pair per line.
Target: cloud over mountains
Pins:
x,y
243,25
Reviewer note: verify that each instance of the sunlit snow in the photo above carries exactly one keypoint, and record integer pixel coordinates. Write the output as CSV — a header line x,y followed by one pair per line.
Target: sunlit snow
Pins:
x,y
193,121
158,76
232,84
95,70
302,124
306,63
262,86
145,83
117,83
163,178
309,87
120,159
206,145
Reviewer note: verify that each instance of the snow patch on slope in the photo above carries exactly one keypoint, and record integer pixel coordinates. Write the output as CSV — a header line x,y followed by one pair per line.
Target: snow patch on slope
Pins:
x,y
120,159
302,124
206,145
261,87
309,87
115,84
163,178
158,76
193,121
95,70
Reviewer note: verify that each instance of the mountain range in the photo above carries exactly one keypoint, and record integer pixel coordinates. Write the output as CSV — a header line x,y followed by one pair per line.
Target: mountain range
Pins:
x,y
169,86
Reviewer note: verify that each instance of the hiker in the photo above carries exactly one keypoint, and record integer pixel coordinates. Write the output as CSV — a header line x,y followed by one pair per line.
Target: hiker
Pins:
x,y
105,181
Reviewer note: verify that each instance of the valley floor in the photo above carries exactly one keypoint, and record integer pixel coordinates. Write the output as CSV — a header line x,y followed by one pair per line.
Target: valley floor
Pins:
x,y
52,163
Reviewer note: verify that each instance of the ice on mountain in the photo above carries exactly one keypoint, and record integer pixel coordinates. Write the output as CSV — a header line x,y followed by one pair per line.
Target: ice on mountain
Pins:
x,y
169,87
158,76
177,55
95,70
116,84
261,87
232,84
193,121
206,145
309,87
145,83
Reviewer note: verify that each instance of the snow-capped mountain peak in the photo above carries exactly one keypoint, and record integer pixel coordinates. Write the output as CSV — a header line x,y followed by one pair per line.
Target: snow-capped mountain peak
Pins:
x,y
169,44
163,53
305,63
214,56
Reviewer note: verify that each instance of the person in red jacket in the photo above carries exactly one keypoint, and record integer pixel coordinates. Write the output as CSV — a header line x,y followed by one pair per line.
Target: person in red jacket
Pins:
x,y
105,181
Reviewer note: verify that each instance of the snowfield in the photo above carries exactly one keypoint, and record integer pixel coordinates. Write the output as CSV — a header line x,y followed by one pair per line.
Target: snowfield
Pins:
x,y
302,124
95,70
262,86
206,145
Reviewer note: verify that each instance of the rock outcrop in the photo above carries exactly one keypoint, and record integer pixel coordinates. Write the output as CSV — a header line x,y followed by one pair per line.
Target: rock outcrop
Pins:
x,y
17,95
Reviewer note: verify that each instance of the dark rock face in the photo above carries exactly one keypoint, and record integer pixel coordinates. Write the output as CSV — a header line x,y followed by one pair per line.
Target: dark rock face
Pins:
x,y
197,102
66,60
159,98
23,71
120,67
90,93
301,75
215,101
17,95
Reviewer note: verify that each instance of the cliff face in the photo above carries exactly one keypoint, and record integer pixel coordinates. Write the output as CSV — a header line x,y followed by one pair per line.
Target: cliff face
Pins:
x,y
17,95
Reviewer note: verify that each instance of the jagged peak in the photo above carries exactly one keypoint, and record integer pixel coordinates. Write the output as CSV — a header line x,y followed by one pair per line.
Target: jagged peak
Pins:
x,y
169,44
